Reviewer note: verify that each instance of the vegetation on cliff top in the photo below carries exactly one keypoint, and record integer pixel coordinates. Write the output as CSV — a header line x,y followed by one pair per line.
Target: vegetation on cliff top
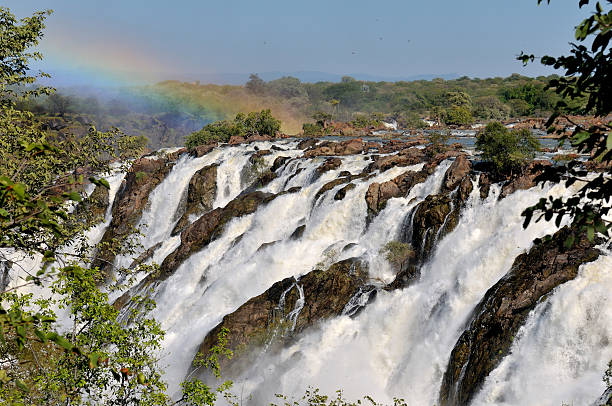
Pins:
x,y
508,150
252,124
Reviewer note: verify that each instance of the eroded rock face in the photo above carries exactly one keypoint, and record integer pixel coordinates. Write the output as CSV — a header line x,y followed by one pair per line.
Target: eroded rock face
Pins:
x,y
201,194
525,180
328,148
329,165
264,318
460,167
209,226
204,149
431,221
144,176
504,309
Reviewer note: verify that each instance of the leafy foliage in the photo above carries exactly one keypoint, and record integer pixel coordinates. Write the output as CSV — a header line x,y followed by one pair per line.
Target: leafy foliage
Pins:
x,y
397,253
587,76
41,176
508,150
438,141
254,123
314,397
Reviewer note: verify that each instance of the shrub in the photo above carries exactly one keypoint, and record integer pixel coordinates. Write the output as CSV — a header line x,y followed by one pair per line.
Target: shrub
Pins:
x,y
310,129
397,253
457,115
437,141
254,123
507,150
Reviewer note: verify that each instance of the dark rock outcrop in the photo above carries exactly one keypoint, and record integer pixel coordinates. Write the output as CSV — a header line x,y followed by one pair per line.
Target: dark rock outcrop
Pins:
x,y
278,162
204,149
209,226
341,194
379,193
504,309
307,143
144,175
431,221
201,194
329,165
460,167
265,318
329,148
525,180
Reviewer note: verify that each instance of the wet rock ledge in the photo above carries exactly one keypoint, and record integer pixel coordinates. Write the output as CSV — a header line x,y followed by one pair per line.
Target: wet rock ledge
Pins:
x,y
505,308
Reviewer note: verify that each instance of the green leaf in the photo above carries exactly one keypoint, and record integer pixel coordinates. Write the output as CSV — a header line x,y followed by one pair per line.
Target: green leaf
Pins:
x,y
61,341
40,335
609,141
569,241
74,196
94,357
590,233
104,183
22,386
19,189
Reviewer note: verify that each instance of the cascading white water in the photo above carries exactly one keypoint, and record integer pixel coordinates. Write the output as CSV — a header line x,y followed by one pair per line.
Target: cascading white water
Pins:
x,y
217,280
398,345
560,353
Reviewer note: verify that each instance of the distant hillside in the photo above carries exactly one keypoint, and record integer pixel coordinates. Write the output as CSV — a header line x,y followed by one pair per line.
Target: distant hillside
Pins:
x,y
168,111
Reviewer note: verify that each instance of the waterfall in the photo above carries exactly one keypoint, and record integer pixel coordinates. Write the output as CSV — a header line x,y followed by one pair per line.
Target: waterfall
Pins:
x,y
399,344
561,351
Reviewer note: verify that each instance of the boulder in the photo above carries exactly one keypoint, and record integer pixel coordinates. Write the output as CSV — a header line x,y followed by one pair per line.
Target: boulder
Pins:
x,y
278,162
525,180
307,143
329,165
340,194
328,148
406,157
378,193
258,137
235,140
204,149
268,317
504,309
484,182
460,167
430,223
201,194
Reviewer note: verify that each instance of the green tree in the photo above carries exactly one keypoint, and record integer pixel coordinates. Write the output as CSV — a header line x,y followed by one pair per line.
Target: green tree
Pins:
x,y
457,115
39,176
507,150
255,84
60,104
588,75
588,71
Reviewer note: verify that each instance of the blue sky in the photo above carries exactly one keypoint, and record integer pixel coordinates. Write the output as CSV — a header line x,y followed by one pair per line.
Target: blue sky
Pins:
x,y
400,38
